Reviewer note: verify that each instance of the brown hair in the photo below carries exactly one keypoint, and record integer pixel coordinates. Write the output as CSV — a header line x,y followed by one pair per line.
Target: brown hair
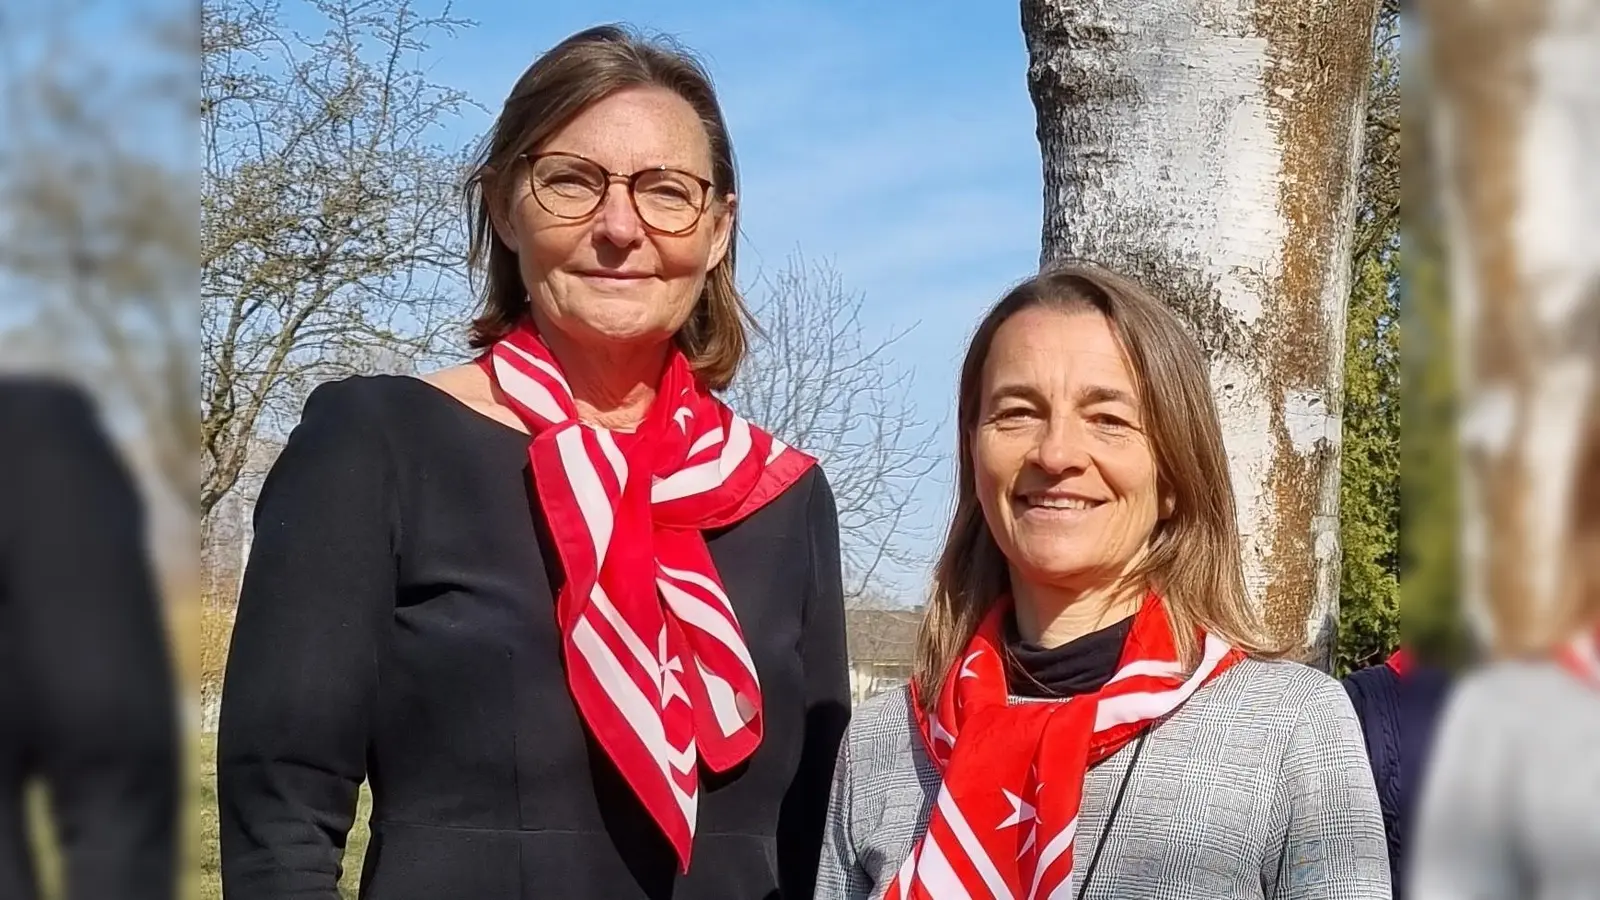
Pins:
x,y
1194,558
1521,631
578,72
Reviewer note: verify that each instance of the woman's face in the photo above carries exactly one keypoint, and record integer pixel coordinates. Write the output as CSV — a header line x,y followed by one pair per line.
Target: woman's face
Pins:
x,y
606,279
1063,468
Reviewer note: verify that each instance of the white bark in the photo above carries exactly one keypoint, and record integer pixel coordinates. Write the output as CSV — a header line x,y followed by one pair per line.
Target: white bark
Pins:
x,y
1514,116
1211,148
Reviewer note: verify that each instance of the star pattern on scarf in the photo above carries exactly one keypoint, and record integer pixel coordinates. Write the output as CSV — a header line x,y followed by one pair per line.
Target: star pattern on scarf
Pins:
x,y
671,668
1021,843
966,665
1021,812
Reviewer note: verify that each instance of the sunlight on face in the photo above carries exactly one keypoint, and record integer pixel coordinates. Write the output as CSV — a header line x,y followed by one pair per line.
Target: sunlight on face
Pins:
x,y
1064,471
607,278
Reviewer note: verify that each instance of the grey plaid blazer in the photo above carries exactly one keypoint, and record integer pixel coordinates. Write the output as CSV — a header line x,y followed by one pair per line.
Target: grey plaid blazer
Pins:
x,y
1258,787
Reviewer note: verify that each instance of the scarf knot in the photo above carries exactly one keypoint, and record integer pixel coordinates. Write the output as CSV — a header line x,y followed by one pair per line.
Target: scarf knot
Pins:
x,y
656,661
1006,818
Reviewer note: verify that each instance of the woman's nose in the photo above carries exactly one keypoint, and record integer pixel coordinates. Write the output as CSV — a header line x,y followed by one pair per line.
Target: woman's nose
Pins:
x,y
616,220
1062,447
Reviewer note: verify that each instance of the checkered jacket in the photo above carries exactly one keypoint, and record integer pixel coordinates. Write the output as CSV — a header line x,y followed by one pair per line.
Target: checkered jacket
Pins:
x,y
1258,787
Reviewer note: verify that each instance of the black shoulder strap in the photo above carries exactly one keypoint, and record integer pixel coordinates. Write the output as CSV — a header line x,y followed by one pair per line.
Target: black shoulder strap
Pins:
x,y
1111,818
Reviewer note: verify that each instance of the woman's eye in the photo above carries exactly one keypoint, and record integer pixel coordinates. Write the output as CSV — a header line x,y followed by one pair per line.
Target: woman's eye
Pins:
x,y
571,185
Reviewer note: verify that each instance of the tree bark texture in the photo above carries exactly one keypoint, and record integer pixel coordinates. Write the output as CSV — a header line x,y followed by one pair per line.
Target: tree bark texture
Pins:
x,y
1211,149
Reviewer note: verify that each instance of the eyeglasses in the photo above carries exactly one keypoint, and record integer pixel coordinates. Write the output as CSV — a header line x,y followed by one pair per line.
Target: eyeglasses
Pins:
x,y
569,186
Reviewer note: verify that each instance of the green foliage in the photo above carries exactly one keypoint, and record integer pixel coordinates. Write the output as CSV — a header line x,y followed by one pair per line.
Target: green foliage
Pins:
x,y
1430,512
209,881
1369,502
1369,517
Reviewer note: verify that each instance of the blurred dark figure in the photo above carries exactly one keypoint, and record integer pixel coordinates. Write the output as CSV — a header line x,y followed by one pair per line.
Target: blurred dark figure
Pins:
x,y
87,702
1398,703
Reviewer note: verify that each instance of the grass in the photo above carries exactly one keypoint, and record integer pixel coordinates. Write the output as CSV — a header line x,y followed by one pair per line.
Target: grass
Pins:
x,y
211,627
200,873
199,640
210,876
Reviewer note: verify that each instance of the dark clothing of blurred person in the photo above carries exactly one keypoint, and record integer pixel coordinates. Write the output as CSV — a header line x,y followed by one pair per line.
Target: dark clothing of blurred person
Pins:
x,y
1398,703
87,704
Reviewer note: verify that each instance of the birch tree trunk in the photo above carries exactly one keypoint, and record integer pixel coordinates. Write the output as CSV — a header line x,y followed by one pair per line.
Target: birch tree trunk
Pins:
x,y
1211,148
1514,125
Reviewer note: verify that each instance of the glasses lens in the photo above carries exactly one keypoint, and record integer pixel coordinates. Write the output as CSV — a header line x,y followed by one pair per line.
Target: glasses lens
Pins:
x,y
567,187
668,200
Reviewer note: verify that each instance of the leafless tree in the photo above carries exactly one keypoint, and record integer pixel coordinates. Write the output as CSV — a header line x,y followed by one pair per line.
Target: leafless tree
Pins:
x,y
97,230
818,384
330,214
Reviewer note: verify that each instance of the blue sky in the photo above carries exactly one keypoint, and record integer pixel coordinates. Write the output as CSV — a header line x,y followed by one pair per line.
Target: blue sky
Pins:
x,y
896,142
37,37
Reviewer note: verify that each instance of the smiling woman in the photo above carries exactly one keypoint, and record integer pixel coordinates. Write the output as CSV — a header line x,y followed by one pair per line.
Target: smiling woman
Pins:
x,y
1095,711
578,624
609,272
1064,468
554,227
1080,385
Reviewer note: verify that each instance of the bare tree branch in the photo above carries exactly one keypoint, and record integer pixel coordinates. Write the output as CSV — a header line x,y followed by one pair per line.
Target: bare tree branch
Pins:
x,y
99,230
331,229
814,381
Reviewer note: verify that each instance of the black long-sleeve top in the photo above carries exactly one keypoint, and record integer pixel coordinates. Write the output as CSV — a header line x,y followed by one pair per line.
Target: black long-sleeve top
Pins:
x,y
87,696
397,623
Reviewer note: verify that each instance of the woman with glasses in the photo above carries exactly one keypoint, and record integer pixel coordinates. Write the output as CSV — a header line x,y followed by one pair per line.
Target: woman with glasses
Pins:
x,y
577,622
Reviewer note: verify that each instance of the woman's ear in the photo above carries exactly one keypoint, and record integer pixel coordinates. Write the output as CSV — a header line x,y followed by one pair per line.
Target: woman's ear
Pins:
x,y
724,216
1166,502
498,208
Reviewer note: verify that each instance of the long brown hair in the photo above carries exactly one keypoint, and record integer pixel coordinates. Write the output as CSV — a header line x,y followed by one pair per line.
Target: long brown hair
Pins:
x,y
578,72
1194,558
1521,630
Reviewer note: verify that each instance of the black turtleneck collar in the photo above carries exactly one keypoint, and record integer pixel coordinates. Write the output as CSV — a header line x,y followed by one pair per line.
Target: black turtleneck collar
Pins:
x,y
1080,666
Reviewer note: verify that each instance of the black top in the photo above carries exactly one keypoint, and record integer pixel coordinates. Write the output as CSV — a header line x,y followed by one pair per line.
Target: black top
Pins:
x,y
397,622
87,697
1080,666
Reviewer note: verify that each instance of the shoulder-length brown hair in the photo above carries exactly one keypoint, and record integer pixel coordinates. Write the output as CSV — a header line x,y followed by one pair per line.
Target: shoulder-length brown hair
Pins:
x,y
1194,559
578,72
1523,629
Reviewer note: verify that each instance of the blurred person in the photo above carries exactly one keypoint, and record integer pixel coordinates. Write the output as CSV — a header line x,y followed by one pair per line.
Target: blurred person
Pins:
x,y
578,624
87,692
1096,710
1398,703
1511,803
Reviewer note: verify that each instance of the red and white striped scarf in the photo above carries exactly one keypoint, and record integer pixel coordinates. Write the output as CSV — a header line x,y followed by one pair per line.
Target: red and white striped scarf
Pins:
x,y
656,661
1007,812
1581,656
